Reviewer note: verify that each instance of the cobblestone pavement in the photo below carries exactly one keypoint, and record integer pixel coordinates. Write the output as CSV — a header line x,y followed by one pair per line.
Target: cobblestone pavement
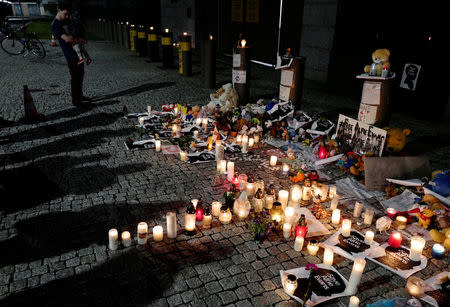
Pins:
x,y
69,179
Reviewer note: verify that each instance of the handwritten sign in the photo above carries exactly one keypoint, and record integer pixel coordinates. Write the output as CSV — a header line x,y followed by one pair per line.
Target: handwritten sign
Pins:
x,y
359,136
349,247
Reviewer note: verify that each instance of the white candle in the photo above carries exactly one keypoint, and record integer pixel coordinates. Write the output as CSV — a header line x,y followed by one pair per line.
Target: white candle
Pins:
x,y
195,134
346,227
171,219
244,144
239,138
306,194
149,110
417,245
328,256
189,221
298,245
251,142
358,209
415,286
287,229
215,208
158,233
251,189
268,201
368,216
313,248
141,121
219,150
230,171
183,156
368,238
290,284
175,111
285,169
336,217
198,121
296,193
113,239
126,238
324,192
256,138
273,160
354,302
205,124
400,222
357,271
222,166
207,219
225,215
258,204
332,191
158,145
142,232
289,215
283,197
334,202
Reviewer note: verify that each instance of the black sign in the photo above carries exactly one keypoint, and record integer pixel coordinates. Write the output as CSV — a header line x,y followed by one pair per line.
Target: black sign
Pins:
x,y
353,243
324,283
398,259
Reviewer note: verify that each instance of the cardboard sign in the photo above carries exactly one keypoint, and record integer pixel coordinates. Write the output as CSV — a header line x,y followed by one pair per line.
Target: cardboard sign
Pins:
x,y
284,93
239,76
359,136
410,76
287,76
349,247
199,157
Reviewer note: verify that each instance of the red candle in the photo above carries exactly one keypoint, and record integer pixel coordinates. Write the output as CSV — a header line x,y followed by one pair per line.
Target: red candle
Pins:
x,y
395,239
199,214
301,231
322,153
391,212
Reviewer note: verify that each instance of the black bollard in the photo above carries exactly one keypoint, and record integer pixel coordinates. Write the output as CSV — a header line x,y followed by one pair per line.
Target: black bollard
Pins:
x,y
124,33
141,43
209,62
103,29
185,56
133,35
119,33
291,83
241,71
153,50
167,49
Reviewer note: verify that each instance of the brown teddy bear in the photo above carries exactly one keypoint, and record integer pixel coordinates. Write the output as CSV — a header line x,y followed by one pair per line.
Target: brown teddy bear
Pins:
x,y
395,139
381,58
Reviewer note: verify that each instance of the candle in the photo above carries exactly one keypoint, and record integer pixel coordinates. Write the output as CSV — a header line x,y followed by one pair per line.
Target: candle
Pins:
x,y
334,202
323,192
241,207
285,169
298,245
354,302
216,208
219,150
313,247
195,134
391,212
273,160
328,256
289,215
358,209
283,197
415,286
158,145
332,191
158,233
301,229
171,219
336,217
194,203
268,201
256,137
205,124
400,222
415,250
113,239
395,239
174,130
296,193
149,110
225,215
276,212
290,285
222,166
287,228
141,121
244,144
242,181
357,271
142,232
189,221
346,227
251,142
198,121
239,138
368,216
126,238
437,251
306,194
251,189
368,238
183,156
199,214
258,201
175,111
230,171
260,185
207,218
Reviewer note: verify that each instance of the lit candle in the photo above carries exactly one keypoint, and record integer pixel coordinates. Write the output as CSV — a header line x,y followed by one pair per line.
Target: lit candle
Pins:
x,y
198,121
158,145
276,213
301,229
251,189
285,169
251,142
158,233
219,150
332,191
222,166
195,134
368,238
268,201
391,212
189,221
354,302
225,215
298,245
216,208
244,144
230,171
328,256
141,121
183,156
306,194
287,228
149,110
142,232
194,203
258,201
283,197
126,238
334,202
357,271
113,239
346,227
296,193
416,248
336,217
400,222
171,219
290,285
289,215
175,111
205,124
241,206
313,247
368,216
273,160
437,251
395,239
323,192
239,138
358,209
174,130
260,185
199,214
207,218
256,138
415,286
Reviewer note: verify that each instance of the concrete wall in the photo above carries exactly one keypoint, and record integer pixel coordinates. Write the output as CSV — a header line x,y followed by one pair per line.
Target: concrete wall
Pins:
x,y
174,16
319,19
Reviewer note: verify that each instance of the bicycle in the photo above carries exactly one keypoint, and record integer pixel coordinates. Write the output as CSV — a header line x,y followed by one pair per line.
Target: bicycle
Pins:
x,y
13,44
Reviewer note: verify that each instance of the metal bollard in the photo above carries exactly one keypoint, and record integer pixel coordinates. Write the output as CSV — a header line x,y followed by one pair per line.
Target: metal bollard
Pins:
x,y
103,29
185,56
291,83
241,71
124,34
141,42
209,62
117,32
133,35
153,50
167,49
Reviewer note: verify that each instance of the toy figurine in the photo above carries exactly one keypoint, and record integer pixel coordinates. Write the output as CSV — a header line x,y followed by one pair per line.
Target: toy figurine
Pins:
x,y
318,211
313,176
299,177
425,218
290,153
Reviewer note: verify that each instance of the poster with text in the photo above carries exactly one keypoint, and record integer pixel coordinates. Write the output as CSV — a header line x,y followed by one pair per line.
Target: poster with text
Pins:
x,y
349,247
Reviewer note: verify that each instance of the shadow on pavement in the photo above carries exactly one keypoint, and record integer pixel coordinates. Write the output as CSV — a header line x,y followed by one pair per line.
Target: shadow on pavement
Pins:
x,y
74,111
135,90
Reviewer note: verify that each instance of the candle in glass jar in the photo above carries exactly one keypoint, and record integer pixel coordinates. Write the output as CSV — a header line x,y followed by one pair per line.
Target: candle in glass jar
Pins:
x,y
198,121
323,192
368,238
189,221
158,145
171,219
328,256
354,302
358,209
251,142
298,245
205,124
149,110
346,227
239,138
336,217
283,197
222,166
158,233
368,216
273,160
199,214
415,286
225,215
355,277
416,248
334,202
290,285
113,239
287,229
183,156
313,247
216,208
126,238
230,171
251,189
285,169
258,203
296,193
400,222
391,212
437,251
289,215
142,232
207,218
332,191
306,194
268,201
395,239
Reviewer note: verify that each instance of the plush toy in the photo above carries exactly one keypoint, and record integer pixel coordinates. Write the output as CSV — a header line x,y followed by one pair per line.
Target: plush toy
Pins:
x,y
441,183
381,59
425,218
299,177
395,139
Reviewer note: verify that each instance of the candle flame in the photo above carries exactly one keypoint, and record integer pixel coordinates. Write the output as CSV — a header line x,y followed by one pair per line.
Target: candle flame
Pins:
x,y
243,43
210,37
185,33
166,30
152,28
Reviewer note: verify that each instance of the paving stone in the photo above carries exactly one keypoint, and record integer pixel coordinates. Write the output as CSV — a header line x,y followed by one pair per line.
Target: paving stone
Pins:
x,y
240,279
188,296
82,268
194,282
242,293
73,262
228,283
174,300
33,281
255,288
47,277
4,279
213,300
180,286
272,297
244,303
213,287
22,275
3,290
64,273
268,285
17,285
162,302
227,297
207,277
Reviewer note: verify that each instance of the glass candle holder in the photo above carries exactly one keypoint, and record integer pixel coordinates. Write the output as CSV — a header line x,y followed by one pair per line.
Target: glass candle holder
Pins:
x,y
287,229
273,160
296,193
142,232
336,217
400,222
268,201
290,285
334,202
216,208
395,239
189,221
113,239
368,216
290,216
276,212
298,245
239,138
241,207
222,166
207,218
285,169
368,238
283,197
158,233
251,142
171,220
126,238
416,248
332,191
225,215
437,251
328,256
358,209
251,188
346,227
415,286
391,212
313,247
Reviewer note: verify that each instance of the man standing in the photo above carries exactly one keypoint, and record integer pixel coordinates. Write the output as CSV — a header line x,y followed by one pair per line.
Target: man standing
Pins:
x,y
65,42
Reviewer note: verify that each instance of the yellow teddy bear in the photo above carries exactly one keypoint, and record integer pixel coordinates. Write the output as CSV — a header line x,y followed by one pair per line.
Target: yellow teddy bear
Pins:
x,y
395,139
425,218
381,58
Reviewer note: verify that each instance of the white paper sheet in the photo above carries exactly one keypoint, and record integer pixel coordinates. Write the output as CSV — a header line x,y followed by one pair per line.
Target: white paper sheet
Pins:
x,y
315,227
402,202
433,283
333,241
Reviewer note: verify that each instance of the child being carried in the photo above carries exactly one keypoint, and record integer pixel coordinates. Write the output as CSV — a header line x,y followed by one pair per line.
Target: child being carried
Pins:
x,y
78,33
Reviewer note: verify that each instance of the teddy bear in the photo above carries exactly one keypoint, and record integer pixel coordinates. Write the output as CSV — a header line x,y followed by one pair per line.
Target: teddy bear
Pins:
x,y
395,139
381,59
425,218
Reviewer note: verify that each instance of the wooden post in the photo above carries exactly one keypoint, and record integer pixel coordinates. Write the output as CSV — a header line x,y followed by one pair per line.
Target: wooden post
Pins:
x,y
241,73
209,62
291,83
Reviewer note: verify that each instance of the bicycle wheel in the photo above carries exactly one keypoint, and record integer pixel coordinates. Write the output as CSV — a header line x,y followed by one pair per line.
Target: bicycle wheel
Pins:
x,y
36,47
12,45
